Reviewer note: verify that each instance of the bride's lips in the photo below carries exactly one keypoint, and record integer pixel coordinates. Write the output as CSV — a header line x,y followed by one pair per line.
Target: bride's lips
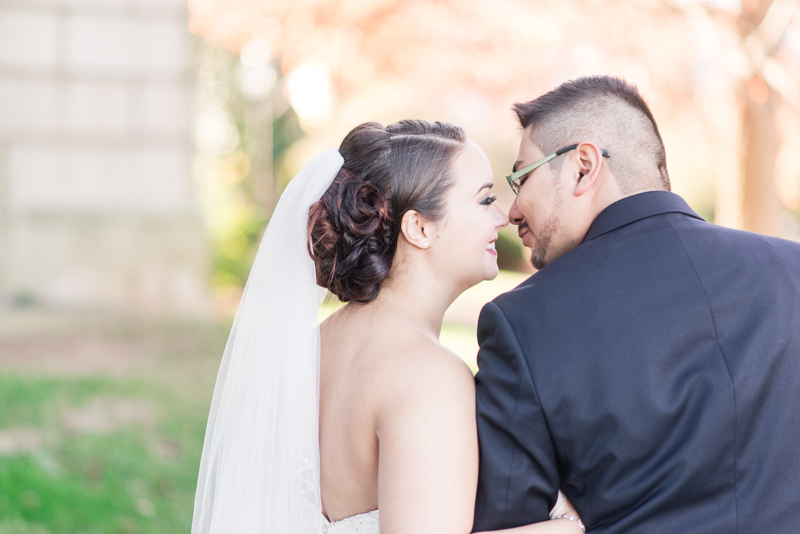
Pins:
x,y
490,247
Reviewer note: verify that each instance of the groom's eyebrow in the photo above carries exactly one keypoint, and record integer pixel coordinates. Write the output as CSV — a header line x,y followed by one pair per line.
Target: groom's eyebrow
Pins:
x,y
516,165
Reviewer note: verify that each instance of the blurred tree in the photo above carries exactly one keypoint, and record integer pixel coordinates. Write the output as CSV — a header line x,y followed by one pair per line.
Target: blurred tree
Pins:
x,y
720,75
762,25
237,137
756,48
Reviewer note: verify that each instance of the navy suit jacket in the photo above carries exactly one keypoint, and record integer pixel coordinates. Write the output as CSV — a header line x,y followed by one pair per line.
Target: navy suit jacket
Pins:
x,y
653,374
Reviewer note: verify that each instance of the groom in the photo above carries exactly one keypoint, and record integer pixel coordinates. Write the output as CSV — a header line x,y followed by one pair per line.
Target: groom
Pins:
x,y
651,368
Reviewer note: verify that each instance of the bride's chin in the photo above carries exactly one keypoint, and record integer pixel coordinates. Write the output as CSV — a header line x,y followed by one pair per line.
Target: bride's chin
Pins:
x,y
492,273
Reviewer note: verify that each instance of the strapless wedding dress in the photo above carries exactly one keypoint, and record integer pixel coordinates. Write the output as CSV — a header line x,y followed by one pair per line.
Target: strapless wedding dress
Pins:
x,y
358,524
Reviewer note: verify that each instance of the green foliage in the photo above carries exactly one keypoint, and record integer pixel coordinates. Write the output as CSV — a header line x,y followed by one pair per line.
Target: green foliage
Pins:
x,y
510,252
235,216
235,249
235,253
285,132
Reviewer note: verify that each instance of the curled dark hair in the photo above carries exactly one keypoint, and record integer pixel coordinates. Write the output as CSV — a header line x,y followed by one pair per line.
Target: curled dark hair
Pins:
x,y
353,229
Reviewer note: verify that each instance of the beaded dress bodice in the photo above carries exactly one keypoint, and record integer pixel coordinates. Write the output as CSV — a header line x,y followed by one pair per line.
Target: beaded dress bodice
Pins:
x,y
366,523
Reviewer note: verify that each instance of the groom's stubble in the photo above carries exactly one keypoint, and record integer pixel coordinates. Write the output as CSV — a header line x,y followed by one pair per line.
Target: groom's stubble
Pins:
x,y
542,243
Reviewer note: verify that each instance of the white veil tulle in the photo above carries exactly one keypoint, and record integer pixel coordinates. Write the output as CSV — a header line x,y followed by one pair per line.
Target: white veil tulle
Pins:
x,y
259,472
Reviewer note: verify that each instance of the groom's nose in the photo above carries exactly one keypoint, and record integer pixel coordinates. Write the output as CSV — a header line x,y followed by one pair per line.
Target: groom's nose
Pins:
x,y
514,215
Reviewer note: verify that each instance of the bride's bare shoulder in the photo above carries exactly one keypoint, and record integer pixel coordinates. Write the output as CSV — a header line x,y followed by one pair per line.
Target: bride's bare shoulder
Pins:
x,y
425,375
429,358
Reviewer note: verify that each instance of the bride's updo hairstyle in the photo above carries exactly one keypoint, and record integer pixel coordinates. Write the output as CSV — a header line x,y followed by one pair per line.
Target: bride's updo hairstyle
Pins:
x,y
388,170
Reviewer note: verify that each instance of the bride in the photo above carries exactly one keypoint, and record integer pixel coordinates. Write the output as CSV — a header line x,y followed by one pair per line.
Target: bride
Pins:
x,y
313,427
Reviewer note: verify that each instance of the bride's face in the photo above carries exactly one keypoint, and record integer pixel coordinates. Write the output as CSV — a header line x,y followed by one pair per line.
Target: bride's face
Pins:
x,y
465,247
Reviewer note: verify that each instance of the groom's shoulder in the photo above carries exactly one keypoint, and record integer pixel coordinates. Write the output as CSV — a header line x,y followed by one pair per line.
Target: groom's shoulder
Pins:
x,y
741,247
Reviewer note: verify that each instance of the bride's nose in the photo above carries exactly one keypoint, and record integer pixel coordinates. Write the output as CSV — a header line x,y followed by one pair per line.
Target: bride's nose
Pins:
x,y
500,217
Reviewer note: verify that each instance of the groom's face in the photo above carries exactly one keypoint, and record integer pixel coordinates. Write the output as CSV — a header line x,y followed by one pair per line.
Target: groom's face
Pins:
x,y
540,209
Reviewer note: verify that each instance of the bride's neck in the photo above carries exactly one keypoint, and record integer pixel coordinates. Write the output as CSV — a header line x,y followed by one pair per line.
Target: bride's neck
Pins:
x,y
417,295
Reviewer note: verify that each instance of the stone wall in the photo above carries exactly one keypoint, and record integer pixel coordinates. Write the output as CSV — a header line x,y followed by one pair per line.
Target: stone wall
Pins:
x,y
96,198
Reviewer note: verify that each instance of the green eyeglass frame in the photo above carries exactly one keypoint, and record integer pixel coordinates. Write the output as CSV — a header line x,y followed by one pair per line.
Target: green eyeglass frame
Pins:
x,y
513,178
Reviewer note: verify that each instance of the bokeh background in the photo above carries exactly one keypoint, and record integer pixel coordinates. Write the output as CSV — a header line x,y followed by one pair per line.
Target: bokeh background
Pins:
x,y
144,144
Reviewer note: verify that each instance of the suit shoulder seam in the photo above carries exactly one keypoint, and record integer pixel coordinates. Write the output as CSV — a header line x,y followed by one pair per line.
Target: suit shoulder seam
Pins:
x,y
724,361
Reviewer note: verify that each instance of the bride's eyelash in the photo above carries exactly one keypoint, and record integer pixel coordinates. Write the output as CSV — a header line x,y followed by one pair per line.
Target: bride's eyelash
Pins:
x,y
488,201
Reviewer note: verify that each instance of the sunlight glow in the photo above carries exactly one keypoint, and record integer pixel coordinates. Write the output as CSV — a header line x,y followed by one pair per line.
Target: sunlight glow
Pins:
x,y
309,90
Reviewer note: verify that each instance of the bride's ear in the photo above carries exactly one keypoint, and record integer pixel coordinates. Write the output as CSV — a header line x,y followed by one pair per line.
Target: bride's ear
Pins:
x,y
416,229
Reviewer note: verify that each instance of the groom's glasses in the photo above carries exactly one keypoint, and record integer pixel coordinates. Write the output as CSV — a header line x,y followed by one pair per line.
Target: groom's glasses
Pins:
x,y
514,178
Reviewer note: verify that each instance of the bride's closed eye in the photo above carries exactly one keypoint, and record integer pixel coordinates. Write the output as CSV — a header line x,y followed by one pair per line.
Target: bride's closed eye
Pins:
x,y
488,201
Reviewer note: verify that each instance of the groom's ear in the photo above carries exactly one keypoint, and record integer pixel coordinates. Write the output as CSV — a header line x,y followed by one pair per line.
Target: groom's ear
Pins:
x,y
416,229
589,160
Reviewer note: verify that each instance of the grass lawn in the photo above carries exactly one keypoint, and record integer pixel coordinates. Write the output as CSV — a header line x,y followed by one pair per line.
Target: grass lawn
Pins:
x,y
97,460
102,419
112,442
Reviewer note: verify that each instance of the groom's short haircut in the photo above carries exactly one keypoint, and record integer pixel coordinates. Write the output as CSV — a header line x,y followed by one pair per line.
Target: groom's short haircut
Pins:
x,y
608,112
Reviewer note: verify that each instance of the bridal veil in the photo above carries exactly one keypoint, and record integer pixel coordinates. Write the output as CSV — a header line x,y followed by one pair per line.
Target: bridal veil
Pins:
x,y
259,472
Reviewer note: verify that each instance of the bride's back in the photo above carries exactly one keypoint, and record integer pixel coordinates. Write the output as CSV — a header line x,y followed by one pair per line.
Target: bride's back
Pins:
x,y
374,358
348,443
359,357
